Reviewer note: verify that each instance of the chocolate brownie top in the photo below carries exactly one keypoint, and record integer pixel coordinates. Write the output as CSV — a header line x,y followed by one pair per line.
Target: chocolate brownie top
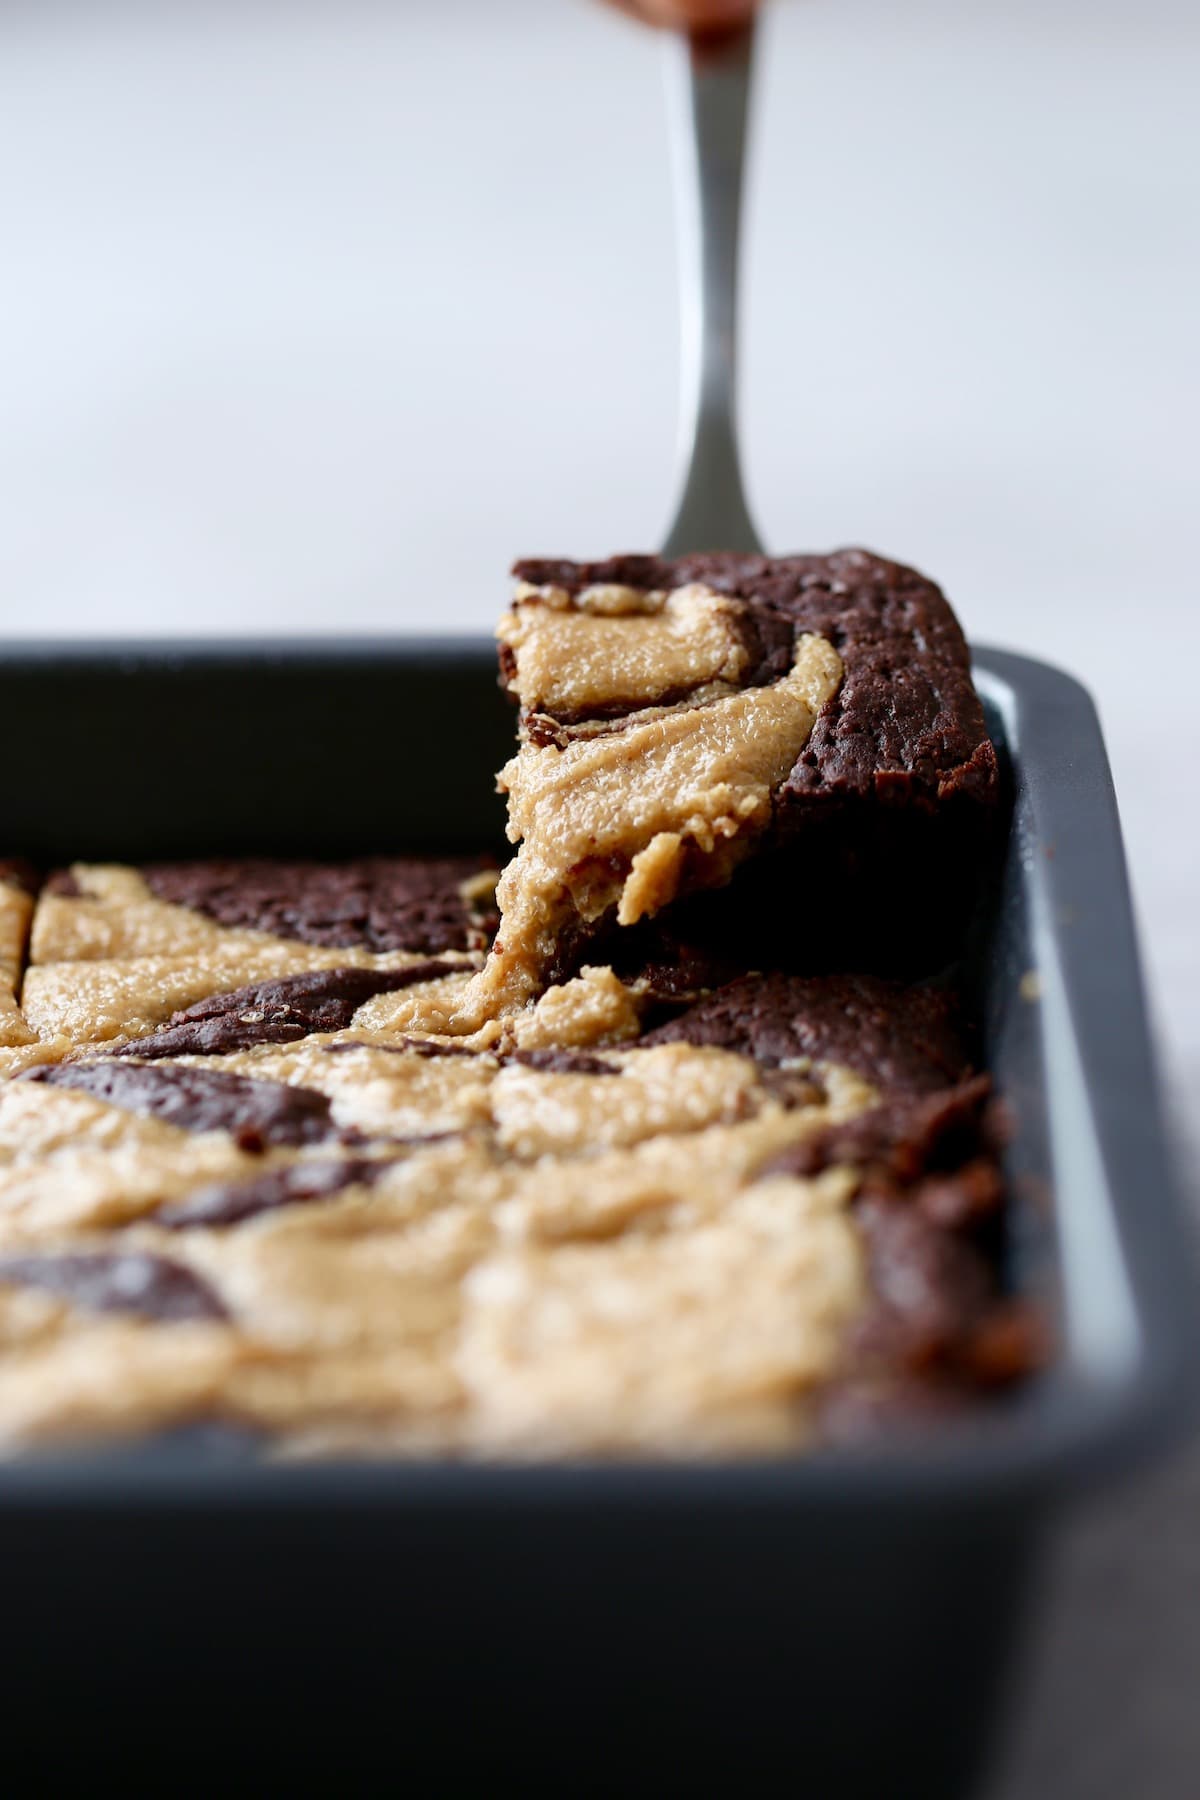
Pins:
x,y
378,903
905,723
255,1113
903,1039
277,1012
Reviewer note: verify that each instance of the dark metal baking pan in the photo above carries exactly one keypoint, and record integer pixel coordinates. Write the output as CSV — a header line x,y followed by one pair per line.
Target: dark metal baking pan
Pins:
x,y
840,1622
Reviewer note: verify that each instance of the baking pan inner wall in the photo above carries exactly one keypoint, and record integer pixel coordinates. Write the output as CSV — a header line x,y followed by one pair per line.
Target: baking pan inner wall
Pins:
x,y
199,750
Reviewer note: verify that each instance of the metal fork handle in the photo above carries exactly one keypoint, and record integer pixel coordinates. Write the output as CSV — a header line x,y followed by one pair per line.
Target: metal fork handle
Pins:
x,y
709,88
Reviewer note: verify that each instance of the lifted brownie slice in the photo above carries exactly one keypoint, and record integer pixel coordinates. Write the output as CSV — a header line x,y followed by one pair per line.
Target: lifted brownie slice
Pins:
x,y
876,815
905,724
622,812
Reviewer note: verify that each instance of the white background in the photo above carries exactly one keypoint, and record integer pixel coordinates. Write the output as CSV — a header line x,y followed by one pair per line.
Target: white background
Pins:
x,y
313,316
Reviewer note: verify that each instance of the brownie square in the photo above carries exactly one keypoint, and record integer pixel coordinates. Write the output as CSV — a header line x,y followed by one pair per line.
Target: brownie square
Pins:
x,y
882,826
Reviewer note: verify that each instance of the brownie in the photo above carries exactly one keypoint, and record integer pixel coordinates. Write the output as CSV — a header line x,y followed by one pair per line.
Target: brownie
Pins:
x,y
906,1039
255,1113
277,1012
898,777
377,902
241,953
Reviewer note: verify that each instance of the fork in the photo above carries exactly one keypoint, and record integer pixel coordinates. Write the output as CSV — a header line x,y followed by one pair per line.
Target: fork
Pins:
x,y
709,90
